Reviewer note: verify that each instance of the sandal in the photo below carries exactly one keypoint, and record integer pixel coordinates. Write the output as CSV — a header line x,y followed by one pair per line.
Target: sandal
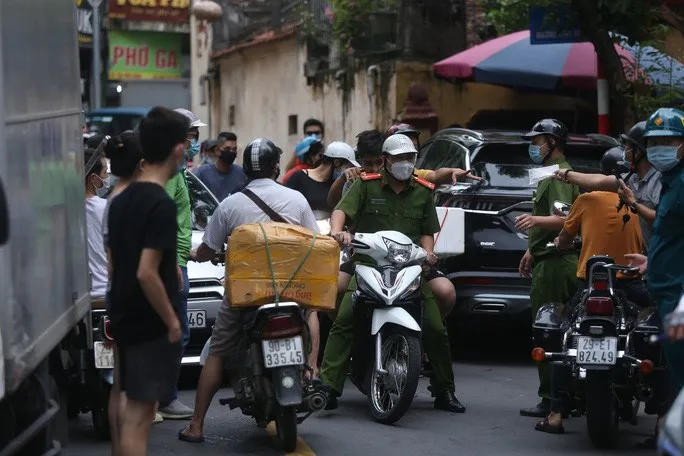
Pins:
x,y
545,426
189,438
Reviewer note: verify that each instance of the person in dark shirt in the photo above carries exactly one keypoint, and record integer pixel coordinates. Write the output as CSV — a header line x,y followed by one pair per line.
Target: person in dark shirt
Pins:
x,y
315,183
144,281
222,177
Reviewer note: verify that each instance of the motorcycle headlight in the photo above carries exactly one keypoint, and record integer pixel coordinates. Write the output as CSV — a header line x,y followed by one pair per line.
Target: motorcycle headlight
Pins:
x,y
398,253
411,288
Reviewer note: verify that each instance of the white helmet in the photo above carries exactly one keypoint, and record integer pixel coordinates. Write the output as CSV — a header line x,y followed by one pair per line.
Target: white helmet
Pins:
x,y
398,144
192,117
342,150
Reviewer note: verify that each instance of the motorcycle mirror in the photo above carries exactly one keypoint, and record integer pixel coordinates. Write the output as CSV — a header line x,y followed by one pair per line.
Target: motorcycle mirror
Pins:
x,y
561,209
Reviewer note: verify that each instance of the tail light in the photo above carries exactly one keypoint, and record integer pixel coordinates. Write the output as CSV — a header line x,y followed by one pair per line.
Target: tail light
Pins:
x,y
600,285
281,326
106,328
599,306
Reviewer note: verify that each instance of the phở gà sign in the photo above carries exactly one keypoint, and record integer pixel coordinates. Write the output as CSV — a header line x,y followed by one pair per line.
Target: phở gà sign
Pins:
x,y
144,55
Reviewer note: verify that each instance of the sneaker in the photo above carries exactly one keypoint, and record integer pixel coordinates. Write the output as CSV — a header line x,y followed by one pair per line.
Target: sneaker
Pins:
x,y
176,410
157,418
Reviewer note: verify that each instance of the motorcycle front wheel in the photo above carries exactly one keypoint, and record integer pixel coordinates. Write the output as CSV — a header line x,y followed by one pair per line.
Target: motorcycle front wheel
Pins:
x,y
390,395
286,428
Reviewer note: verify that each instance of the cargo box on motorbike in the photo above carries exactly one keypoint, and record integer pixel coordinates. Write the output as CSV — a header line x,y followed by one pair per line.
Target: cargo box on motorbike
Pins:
x,y
647,324
249,280
549,326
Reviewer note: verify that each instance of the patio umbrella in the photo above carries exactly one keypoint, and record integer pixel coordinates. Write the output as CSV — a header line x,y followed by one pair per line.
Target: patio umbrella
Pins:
x,y
511,60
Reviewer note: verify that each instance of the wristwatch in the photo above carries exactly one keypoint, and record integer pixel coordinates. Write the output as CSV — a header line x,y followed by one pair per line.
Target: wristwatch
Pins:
x,y
633,207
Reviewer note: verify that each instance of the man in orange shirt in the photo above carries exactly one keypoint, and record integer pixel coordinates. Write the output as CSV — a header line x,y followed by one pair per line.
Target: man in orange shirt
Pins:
x,y
604,231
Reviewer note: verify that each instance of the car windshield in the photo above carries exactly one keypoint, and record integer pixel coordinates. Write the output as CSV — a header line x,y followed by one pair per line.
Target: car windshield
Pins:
x,y
442,152
507,165
202,202
112,124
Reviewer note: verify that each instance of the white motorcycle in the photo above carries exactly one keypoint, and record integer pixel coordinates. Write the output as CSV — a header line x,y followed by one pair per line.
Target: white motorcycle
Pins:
x,y
388,312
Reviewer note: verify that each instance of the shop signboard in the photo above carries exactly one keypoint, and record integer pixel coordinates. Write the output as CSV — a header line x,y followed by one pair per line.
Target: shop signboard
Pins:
x,y
150,10
553,25
144,55
84,16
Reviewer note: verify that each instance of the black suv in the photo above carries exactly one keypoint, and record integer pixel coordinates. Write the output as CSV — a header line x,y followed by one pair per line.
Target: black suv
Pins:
x,y
488,285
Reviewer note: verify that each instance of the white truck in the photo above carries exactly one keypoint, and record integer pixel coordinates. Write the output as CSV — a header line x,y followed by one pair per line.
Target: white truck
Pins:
x,y
44,279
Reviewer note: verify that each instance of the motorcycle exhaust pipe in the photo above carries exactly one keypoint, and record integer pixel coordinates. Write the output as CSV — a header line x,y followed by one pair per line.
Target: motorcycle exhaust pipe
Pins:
x,y
644,393
317,401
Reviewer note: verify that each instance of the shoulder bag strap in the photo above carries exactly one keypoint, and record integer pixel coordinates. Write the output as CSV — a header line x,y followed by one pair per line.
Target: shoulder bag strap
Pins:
x,y
263,206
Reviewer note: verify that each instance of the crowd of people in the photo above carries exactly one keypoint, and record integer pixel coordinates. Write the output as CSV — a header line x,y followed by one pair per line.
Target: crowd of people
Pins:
x,y
139,242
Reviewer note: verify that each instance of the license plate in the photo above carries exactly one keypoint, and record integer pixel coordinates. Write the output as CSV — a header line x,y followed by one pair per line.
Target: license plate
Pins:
x,y
197,319
104,355
599,351
283,352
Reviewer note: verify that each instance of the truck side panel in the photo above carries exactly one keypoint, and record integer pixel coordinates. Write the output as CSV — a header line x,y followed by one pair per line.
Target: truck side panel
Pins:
x,y
43,269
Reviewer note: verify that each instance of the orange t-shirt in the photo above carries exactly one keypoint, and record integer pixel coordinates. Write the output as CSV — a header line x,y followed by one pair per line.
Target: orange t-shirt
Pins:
x,y
594,217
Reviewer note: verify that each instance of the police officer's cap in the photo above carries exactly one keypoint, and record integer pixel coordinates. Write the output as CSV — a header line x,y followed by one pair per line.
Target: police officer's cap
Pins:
x,y
551,127
398,144
665,122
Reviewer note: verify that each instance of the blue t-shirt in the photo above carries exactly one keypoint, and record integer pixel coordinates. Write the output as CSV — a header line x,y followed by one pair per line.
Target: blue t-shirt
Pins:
x,y
222,184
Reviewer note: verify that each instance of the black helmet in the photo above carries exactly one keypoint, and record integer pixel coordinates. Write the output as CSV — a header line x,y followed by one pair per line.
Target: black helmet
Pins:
x,y
612,161
552,127
635,137
260,159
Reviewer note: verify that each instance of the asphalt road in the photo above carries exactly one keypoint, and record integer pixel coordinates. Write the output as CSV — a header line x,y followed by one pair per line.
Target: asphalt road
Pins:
x,y
493,390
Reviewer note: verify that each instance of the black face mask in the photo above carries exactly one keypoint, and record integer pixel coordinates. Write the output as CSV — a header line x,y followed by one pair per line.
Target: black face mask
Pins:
x,y
228,156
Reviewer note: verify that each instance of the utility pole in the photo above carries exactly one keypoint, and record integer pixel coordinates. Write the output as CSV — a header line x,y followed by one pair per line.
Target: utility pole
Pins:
x,y
96,96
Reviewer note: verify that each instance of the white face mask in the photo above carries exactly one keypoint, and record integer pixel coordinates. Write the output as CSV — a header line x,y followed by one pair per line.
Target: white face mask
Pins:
x,y
402,171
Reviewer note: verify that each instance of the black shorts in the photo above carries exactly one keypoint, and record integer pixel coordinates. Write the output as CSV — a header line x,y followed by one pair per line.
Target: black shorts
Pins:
x,y
149,370
431,274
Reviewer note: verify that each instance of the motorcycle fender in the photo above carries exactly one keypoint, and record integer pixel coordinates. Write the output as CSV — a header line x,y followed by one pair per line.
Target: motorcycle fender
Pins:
x,y
107,375
393,315
205,352
282,378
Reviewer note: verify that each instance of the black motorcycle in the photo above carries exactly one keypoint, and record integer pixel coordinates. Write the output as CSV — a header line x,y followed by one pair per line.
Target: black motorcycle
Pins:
x,y
601,351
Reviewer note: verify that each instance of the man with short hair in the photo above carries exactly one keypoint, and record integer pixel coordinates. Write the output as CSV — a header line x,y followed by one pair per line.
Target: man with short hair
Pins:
x,y
261,159
144,307
313,128
223,177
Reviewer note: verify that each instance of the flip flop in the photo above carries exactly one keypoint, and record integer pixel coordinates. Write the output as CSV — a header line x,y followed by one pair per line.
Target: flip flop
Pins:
x,y
545,426
189,438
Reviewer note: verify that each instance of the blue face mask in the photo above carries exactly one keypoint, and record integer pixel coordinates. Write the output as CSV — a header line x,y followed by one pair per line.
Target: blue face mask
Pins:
x,y
195,147
535,154
663,158
626,164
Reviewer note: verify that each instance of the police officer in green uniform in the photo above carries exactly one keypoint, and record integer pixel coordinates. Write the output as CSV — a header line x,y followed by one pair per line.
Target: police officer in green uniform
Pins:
x,y
553,272
391,200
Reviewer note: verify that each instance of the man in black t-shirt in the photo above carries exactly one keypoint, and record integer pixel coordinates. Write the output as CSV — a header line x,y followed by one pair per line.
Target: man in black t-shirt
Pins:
x,y
144,284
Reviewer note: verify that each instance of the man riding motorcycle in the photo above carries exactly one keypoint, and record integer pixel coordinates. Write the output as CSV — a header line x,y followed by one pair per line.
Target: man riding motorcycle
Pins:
x,y
261,163
640,190
391,200
553,277
616,238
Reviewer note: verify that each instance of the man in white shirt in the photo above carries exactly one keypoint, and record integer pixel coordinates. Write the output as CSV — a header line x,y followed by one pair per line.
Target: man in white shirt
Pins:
x,y
261,163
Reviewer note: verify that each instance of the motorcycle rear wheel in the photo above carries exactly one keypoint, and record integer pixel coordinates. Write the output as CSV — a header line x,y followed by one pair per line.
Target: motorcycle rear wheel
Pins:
x,y
286,428
602,414
100,411
401,357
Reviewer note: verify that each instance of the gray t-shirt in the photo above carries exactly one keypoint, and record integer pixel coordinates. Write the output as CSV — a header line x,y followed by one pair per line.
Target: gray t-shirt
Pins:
x,y
647,192
221,184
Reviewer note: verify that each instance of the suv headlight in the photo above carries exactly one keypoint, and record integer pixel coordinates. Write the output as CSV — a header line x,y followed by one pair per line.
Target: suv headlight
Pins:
x,y
398,253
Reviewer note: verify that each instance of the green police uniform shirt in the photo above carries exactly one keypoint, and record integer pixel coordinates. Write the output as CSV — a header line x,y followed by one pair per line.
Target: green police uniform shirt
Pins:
x,y
373,206
177,189
548,191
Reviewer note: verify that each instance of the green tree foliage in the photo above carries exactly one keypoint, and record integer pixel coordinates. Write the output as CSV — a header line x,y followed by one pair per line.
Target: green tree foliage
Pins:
x,y
602,22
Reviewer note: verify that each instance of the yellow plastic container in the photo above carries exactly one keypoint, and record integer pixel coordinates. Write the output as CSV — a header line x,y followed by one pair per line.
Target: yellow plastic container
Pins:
x,y
248,276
